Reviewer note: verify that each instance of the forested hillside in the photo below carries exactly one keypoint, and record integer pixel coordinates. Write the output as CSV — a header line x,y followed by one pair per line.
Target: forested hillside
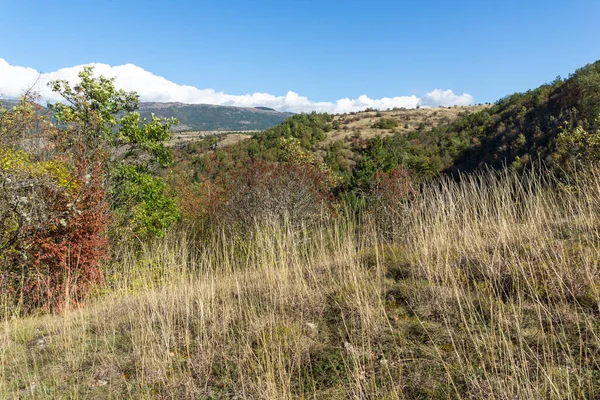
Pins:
x,y
526,127
208,117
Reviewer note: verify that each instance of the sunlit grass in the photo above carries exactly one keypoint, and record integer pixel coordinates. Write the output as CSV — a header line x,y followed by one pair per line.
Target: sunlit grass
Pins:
x,y
491,291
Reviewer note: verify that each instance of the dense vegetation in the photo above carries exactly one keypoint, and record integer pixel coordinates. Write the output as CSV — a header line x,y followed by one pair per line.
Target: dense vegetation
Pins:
x,y
525,127
303,266
555,124
71,178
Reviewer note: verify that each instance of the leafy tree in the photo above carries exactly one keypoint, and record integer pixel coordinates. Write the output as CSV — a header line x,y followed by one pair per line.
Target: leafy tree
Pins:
x,y
99,123
578,145
385,123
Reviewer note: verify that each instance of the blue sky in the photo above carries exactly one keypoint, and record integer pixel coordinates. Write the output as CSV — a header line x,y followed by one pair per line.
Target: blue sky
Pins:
x,y
324,50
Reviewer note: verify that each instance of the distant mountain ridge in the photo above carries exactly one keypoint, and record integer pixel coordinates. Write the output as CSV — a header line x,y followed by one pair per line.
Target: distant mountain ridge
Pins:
x,y
206,117
209,117
8,103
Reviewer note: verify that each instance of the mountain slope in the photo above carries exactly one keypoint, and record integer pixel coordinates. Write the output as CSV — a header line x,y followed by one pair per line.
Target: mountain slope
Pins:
x,y
8,103
518,130
207,117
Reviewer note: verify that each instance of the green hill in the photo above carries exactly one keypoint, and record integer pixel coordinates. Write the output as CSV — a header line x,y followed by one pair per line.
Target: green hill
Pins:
x,y
523,127
516,131
555,123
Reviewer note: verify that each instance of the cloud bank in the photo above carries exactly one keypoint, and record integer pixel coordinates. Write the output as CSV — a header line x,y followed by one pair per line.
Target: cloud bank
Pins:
x,y
14,80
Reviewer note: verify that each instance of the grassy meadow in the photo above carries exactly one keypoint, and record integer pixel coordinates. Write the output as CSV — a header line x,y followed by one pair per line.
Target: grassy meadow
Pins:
x,y
489,288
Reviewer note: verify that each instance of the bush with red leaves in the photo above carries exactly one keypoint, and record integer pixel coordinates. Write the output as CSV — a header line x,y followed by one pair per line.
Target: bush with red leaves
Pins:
x,y
199,202
53,213
58,266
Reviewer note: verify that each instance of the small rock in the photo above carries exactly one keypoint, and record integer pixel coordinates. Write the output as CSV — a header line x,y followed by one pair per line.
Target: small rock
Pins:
x,y
100,382
348,346
29,388
41,342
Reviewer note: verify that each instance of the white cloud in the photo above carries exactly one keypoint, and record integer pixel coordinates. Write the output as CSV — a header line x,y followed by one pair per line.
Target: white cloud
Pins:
x,y
439,97
14,80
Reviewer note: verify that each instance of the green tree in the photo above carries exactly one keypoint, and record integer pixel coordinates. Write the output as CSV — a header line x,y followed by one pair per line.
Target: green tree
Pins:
x,y
578,145
98,122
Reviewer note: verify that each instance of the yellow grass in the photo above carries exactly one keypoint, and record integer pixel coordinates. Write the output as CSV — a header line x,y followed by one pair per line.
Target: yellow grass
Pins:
x,y
492,291
226,138
361,123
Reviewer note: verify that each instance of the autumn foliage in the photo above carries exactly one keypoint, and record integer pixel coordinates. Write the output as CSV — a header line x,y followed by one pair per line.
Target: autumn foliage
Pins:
x,y
260,191
275,191
70,175
54,215
66,258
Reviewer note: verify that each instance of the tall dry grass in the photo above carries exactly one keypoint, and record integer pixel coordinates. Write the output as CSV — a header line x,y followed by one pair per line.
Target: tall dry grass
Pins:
x,y
511,265
491,291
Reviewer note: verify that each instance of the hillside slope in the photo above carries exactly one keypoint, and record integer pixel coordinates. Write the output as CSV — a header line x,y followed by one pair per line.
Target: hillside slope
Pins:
x,y
339,140
490,292
515,132
208,117
6,103
522,128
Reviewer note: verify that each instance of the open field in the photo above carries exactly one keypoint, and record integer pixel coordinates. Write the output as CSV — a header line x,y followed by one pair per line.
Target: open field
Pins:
x,y
225,138
489,289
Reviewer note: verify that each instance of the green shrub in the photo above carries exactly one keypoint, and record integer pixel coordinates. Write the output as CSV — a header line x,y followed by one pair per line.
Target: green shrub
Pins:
x,y
385,123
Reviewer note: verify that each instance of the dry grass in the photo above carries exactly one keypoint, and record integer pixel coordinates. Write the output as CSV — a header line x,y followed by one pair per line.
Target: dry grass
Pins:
x,y
361,123
225,138
492,292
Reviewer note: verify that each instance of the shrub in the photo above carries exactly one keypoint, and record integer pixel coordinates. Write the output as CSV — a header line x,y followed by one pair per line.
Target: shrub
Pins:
x,y
52,230
385,123
275,191
98,119
389,195
60,185
66,259
577,145
146,207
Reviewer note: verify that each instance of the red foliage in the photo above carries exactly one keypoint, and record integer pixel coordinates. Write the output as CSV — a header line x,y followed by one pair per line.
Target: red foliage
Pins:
x,y
200,201
55,258
66,258
258,191
393,187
